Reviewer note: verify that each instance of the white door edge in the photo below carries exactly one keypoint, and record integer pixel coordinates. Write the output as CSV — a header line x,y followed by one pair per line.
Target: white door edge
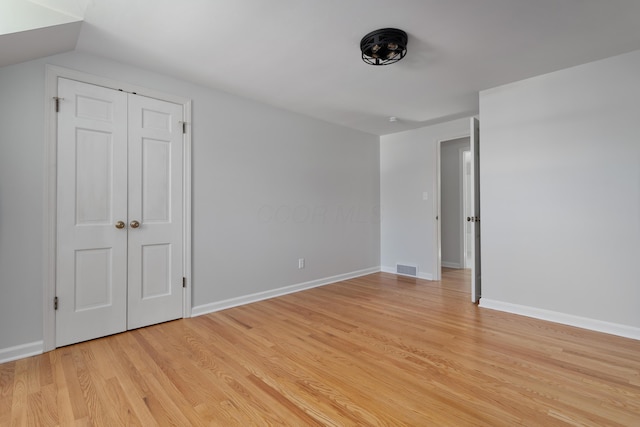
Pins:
x,y
476,268
52,73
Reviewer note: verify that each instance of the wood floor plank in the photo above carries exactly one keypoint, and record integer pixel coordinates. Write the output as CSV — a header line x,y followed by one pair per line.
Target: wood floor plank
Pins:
x,y
375,350
125,384
73,387
225,388
57,393
7,373
237,374
157,394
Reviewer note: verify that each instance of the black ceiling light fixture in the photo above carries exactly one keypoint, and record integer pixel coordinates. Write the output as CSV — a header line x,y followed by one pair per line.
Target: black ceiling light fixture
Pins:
x,y
383,47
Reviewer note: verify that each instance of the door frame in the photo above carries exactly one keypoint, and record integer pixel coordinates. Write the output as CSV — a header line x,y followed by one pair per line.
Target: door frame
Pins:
x,y
437,274
52,73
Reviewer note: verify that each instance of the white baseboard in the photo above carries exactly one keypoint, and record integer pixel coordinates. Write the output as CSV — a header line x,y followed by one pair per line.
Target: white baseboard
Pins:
x,y
451,264
20,351
563,318
392,270
259,296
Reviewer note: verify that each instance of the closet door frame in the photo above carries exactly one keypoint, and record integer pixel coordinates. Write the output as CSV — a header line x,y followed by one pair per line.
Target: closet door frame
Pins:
x,y
52,73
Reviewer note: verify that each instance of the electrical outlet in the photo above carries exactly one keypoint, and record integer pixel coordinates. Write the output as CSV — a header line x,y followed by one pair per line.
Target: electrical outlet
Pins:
x,y
300,262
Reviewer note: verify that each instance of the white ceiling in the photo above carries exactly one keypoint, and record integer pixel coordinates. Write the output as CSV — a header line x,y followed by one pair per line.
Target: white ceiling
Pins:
x,y
303,55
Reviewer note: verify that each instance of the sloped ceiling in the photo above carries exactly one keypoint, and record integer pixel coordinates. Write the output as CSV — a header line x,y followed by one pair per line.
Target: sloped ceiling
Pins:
x,y
304,55
29,31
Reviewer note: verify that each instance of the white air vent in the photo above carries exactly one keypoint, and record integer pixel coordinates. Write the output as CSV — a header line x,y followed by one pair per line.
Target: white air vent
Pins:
x,y
407,270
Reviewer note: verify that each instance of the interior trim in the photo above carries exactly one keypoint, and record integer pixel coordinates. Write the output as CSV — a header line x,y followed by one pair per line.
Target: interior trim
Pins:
x,y
259,296
563,318
20,351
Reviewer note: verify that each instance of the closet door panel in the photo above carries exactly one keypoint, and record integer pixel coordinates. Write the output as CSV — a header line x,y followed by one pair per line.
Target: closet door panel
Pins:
x,y
155,210
91,269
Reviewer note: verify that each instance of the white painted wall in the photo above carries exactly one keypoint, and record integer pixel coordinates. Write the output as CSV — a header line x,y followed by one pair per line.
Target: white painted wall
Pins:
x,y
560,193
407,170
451,210
269,187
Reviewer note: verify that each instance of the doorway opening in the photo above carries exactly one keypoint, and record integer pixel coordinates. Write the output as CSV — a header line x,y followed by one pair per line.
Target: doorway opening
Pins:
x,y
457,225
454,203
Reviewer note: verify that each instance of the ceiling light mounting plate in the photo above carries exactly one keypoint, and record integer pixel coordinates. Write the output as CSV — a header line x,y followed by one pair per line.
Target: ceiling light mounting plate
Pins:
x,y
384,46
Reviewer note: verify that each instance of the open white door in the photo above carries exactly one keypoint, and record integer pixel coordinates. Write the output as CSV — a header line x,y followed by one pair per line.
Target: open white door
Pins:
x,y
475,209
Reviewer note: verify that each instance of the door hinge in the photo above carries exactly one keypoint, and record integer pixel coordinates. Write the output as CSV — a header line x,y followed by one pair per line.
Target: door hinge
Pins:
x,y
184,282
184,127
57,100
55,303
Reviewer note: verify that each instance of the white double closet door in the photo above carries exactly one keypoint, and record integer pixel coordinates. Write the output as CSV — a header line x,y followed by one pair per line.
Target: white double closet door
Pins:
x,y
119,212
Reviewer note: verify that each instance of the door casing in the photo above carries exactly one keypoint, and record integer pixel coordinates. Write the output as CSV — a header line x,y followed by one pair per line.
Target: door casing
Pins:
x,y
50,196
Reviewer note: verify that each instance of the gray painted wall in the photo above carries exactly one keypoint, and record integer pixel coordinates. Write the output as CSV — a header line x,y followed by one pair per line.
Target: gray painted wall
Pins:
x,y
451,209
269,187
21,204
560,191
407,170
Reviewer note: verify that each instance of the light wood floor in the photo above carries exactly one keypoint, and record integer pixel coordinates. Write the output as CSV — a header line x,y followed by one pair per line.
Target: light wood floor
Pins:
x,y
377,350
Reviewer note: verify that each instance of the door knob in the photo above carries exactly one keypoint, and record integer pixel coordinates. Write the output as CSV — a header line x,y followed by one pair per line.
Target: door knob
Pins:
x,y
120,224
468,219
134,224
